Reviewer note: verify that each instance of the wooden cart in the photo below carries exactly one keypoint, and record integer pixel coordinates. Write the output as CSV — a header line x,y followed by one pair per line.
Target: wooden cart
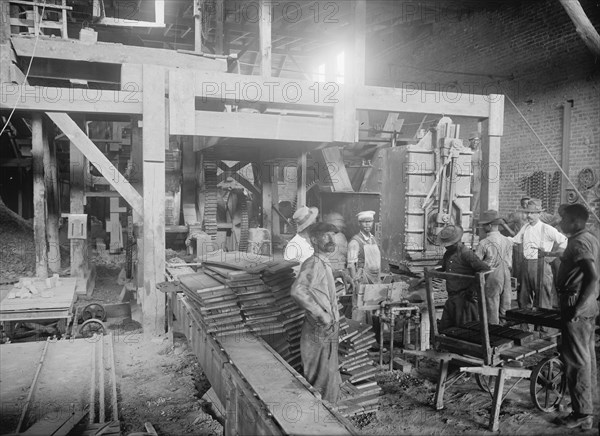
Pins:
x,y
493,353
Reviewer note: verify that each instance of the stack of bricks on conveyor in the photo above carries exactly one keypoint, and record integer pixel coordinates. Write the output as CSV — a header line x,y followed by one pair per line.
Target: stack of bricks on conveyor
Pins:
x,y
360,392
235,294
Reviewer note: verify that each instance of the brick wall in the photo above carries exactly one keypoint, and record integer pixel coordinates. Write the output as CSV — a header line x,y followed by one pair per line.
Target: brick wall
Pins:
x,y
529,52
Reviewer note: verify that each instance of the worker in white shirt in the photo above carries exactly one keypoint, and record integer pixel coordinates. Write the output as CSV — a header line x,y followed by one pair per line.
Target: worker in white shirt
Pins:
x,y
537,236
300,248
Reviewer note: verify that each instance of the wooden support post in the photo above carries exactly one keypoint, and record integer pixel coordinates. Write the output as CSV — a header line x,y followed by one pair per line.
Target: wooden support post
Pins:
x,y
566,149
77,166
52,201
136,180
441,384
154,113
490,171
497,401
39,196
301,179
583,26
275,200
198,25
5,48
265,37
355,61
219,36
267,196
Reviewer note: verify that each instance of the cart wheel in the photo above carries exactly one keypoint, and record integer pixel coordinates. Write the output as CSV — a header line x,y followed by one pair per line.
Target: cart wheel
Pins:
x,y
93,311
548,384
486,382
91,327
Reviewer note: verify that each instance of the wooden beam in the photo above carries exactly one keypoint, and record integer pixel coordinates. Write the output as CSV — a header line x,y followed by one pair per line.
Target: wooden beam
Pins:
x,y
153,301
51,99
74,50
260,126
77,165
52,200
583,26
332,163
421,101
566,150
16,162
219,34
98,159
233,88
267,196
490,171
39,196
358,58
301,180
198,25
182,104
264,30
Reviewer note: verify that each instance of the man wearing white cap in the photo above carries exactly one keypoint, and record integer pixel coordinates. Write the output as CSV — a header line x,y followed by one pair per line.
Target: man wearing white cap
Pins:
x,y
364,257
300,248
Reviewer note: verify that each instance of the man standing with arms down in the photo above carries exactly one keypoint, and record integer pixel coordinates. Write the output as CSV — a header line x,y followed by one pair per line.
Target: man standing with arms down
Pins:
x,y
496,250
537,236
314,290
364,257
577,285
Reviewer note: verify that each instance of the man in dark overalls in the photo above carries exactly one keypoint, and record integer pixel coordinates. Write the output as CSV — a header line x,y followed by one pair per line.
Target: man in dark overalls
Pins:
x,y
577,286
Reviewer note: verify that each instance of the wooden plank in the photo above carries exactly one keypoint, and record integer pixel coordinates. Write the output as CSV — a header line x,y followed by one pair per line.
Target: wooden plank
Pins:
x,y
415,100
77,165
181,101
39,196
43,5
267,199
264,31
74,50
261,126
565,150
52,200
98,159
53,99
490,189
333,162
301,180
153,302
583,26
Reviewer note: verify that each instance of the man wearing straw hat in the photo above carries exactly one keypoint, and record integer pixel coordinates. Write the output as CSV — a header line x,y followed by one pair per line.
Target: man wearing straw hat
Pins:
x,y
496,250
536,236
300,248
461,305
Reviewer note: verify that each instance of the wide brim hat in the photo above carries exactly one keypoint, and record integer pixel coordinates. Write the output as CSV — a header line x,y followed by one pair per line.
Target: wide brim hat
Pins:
x,y
304,217
533,205
490,217
449,235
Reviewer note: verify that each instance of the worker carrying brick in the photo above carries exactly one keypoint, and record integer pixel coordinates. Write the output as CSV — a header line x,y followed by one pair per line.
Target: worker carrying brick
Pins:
x,y
314,290
496,250
537,236
577,284
461,305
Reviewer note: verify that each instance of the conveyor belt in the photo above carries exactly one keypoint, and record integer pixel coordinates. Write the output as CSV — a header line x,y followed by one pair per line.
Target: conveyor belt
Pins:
x,y
261,393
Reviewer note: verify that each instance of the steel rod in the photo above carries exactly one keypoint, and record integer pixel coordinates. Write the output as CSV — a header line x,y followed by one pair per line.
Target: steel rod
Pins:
x,y
32,387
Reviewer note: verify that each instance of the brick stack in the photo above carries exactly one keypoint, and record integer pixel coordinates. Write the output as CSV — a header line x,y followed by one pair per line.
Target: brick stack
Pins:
x,y
359,393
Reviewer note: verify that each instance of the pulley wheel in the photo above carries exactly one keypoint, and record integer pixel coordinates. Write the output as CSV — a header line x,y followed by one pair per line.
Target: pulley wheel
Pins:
x,y
93,311
91,327
548,384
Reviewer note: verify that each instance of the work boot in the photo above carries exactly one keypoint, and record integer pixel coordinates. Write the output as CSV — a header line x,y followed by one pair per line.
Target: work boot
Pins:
x,y
574,420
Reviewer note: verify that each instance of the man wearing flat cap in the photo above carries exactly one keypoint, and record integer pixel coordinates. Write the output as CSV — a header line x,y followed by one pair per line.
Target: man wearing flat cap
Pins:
x,y
314,290
364,257
537,236
496,250
300,248
461,305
